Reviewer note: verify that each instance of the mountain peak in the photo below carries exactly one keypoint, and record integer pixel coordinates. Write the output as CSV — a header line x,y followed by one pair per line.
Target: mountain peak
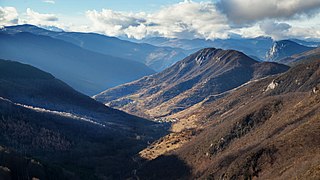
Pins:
x,y
209,71
221,56
285,48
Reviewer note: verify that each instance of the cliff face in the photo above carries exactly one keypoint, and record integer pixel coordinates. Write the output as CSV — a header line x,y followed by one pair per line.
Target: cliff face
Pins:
x,y
285,48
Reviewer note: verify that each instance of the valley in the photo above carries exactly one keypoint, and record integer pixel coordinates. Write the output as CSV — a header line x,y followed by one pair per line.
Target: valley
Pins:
x,y
84,105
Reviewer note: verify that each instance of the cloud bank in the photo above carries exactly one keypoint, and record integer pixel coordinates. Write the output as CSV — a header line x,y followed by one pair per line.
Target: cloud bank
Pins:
x,y
8,16
275,30
249,11
185,19
248,18
209,20
38,18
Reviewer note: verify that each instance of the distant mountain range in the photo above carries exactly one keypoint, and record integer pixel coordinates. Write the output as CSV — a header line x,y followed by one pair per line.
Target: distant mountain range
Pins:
x,y
157,52
217,113
208,72
86,71
92,63
257,48
157,58
63,129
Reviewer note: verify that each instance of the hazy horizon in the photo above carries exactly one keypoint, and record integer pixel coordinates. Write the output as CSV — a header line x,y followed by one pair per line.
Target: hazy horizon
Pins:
x,y
218,19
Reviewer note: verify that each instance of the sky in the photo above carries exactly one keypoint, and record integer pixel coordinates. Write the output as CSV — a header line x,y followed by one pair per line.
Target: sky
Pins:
x,y
186,19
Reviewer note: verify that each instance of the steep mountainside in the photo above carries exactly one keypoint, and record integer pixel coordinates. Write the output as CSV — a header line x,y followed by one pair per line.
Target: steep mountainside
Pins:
x,y
208,72
267,129
157,58
14,165
30,86
86,71
302,57
285,48
307,42
44,118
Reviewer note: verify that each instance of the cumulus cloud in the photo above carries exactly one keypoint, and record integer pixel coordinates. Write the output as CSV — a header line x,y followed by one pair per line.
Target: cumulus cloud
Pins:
x,y
114,23
305,32
248,11
185,19
38,18
274,29
248,32
188,19
8,16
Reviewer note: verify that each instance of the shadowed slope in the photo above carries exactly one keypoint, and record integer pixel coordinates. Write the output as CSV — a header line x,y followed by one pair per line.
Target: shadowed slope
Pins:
x,y
84,70
42,117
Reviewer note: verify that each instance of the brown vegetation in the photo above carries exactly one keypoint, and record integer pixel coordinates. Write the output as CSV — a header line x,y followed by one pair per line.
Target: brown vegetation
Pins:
x,y
208,72
255,132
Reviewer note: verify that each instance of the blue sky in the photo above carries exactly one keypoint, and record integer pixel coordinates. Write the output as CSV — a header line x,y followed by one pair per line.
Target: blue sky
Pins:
x,y
189,19
71,7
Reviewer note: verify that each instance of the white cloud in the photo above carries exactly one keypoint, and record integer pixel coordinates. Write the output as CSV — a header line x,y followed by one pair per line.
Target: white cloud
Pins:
x,y
209,20
248,11
248,32
34,16
49,1
188,19
8,16
185,19
312,32
40,19
114,23
275,30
